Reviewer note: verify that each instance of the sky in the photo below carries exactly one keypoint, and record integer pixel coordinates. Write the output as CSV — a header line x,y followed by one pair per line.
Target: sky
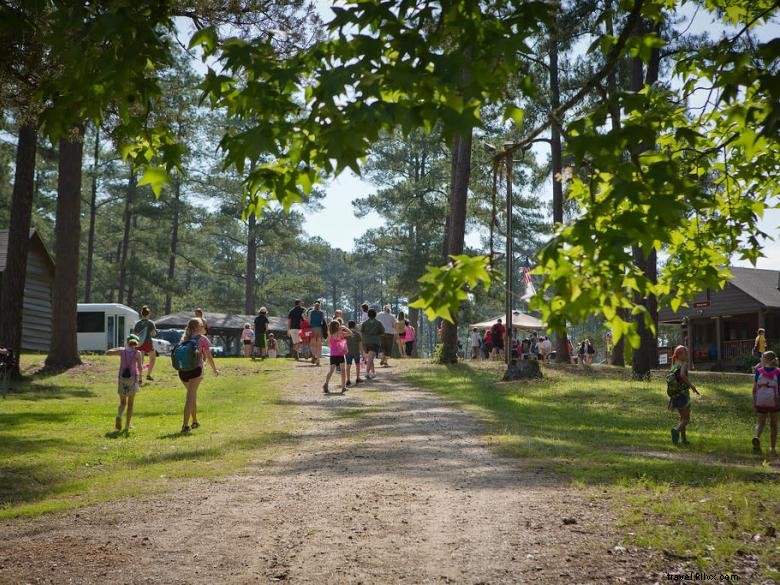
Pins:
x,y
337,224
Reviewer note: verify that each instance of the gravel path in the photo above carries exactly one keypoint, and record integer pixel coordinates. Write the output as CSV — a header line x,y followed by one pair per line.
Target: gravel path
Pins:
x,y
386,484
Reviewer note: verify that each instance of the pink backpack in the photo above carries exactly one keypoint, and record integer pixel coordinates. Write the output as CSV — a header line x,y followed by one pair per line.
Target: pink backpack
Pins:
x,y
766,395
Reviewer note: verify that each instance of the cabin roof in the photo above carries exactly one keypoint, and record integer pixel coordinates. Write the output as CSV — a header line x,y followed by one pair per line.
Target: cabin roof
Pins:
x,y
760,284
35,239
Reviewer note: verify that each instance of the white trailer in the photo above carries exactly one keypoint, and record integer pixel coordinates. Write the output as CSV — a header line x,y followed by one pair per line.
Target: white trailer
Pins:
x,y
102,326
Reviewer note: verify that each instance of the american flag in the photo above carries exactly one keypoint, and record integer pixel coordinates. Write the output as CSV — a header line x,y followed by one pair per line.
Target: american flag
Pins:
x,y
529,285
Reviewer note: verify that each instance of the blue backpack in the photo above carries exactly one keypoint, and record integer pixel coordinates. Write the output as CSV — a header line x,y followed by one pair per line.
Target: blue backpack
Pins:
x,y
185,355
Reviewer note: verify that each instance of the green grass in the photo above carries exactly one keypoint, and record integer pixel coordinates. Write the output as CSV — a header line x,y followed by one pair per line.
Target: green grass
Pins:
x,y
707,501
59,450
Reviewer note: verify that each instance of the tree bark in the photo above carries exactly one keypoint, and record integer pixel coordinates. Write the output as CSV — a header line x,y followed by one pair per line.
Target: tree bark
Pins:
x,y
63,352
13,281
251,265
128,216
645,358
174,242
92,218
561,342
461,172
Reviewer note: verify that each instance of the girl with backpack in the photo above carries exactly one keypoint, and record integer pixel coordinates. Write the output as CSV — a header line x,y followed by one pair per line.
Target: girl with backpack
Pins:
x,y
130,367
196,342
766,400
677,388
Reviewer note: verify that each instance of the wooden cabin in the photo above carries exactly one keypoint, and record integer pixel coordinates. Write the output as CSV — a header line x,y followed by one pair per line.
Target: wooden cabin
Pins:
x,y
722,325
37,308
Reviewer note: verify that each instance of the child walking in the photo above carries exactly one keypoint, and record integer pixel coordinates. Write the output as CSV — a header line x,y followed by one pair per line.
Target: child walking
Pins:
x,y
337,340
130,368
766,400
196,333
353,353
248,338
677,388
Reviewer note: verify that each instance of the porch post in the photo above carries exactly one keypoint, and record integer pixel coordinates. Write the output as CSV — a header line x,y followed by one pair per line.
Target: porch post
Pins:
x,y
761,320
717,336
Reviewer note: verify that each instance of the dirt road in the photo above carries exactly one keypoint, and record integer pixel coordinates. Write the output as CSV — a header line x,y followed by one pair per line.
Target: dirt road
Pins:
x,y
386,484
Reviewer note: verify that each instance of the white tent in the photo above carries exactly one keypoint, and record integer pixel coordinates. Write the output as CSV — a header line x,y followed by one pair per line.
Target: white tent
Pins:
x,y
520,320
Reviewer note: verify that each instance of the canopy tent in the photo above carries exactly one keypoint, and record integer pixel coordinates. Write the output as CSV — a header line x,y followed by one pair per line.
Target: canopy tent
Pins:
x,y
520,320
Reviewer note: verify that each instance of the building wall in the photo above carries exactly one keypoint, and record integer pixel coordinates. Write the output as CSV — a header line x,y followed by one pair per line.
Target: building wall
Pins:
x,y
37,310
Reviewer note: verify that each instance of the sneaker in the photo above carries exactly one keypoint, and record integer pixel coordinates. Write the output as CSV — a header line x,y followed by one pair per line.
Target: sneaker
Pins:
x,y
756,445
343,389
195,425
358,380
349,383
185,429
118,423
325,388
675,436
149,378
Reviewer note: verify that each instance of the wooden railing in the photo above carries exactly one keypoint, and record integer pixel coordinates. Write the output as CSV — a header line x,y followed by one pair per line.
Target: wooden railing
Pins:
x,y
730,350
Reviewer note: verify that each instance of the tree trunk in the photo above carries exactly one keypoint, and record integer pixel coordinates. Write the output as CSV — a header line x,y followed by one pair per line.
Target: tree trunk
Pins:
x,y
645,358
251,265
92,217
461,171
618,348
128,216
561,342
174,242
131,268
63,352
12,292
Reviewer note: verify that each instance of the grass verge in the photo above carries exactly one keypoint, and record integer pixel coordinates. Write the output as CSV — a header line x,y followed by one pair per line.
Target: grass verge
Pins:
x,y
59,450
711,504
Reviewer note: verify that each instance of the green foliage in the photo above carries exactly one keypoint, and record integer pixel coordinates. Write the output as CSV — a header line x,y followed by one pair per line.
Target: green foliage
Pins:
x,y
443,287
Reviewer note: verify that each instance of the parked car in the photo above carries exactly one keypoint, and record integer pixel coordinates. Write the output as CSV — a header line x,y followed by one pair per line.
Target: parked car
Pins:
x,y
172,336
161,346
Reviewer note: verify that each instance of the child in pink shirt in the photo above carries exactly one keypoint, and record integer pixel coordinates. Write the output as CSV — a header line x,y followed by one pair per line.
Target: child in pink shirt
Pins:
x,y
337,340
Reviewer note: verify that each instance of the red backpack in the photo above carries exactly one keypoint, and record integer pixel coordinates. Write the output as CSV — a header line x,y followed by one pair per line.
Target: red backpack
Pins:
x,y
766,394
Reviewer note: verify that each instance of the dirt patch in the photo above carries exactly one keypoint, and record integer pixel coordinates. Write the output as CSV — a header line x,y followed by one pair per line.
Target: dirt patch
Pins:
x,y
387,484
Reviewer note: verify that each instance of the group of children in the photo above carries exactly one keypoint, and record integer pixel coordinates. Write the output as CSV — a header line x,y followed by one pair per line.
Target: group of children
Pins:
x,y
131,367
348,345
766,397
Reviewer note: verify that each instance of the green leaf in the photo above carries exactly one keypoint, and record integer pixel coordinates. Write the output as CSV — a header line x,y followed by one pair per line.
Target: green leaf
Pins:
x,y
205,38
156,178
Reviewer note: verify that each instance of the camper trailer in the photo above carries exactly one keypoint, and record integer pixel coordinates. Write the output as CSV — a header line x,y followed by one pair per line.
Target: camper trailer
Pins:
x,y
102,326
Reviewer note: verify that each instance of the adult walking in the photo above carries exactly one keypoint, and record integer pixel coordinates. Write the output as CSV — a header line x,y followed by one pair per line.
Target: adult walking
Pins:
x,y
317,323
371,330
199,315
144,329
497,332
388,336
261,328
409,337
195,334
294,318
400,325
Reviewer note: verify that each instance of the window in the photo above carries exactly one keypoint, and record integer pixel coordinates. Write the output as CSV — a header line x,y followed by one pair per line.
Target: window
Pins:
x,y
91,322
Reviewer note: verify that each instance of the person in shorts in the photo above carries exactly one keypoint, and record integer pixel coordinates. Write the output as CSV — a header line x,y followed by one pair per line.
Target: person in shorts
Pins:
x,y
371,330
130,367
294,318
353,353
192,378
144,329
387,340
337,340
261,327
497,332
248,339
